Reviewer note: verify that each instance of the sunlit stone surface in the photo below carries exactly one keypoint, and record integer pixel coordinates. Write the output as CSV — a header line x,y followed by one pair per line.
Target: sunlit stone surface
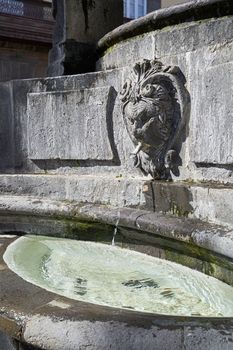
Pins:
x,y
109,275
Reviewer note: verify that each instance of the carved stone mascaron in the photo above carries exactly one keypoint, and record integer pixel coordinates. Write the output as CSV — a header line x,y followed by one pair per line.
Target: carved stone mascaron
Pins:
x,y
153,108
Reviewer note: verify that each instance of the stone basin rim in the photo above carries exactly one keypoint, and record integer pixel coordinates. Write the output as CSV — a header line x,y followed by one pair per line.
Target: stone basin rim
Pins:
x,y
5,241
215,238
59,311
191,11
49,309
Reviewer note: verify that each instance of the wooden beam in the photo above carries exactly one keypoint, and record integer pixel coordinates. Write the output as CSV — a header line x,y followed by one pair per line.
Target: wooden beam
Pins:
x,y
26,29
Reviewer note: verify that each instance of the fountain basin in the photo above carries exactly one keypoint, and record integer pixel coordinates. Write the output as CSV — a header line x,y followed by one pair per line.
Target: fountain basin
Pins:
x,y
117,277
53,161
47,320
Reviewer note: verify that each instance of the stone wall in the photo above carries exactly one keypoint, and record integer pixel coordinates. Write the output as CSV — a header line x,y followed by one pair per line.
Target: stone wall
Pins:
x,y
203,51
66,138
83,113
167,3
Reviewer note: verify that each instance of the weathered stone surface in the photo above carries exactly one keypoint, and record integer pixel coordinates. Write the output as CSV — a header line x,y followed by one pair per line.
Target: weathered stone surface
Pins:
x,y
195,201
211,203
214,339
44,332
210,236
203,52
202,157
112,190
212,128
128,52
70,124
98,335
18,127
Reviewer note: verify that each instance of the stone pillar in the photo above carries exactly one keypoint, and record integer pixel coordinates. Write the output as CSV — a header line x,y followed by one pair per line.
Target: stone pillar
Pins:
x,y
79,25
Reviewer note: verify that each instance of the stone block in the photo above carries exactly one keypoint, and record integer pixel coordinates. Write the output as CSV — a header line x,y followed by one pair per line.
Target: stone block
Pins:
x,y
128,53
204,53
70,125
107,190
192,36
16,128
212,129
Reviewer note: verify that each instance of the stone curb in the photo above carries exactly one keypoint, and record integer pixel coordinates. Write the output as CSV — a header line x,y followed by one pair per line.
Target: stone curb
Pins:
x,y
190,11
216,238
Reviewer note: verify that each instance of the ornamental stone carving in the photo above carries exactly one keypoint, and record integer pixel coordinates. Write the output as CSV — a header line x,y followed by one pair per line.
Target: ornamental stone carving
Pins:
x,y
153,103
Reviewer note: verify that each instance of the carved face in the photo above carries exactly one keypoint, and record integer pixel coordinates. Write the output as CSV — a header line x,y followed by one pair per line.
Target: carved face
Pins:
x,y
151,110
148,115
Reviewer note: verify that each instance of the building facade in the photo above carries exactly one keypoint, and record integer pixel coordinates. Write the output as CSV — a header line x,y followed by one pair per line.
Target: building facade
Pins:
x,y
26,29
138,8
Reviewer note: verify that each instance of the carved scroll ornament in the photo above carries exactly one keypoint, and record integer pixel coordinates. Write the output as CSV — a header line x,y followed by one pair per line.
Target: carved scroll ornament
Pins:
x,y
153,111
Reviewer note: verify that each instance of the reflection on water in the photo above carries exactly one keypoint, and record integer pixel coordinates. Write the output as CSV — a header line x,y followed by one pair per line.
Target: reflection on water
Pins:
x,y
146,282
109,275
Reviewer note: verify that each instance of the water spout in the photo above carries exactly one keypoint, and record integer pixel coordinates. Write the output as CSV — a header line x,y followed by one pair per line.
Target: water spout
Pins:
x,y
115,229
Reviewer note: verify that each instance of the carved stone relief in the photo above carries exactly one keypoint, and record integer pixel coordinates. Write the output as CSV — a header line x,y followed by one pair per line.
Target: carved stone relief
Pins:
x,y
153,109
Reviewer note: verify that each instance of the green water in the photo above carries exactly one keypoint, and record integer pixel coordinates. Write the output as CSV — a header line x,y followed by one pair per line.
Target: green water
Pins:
x,y
109,275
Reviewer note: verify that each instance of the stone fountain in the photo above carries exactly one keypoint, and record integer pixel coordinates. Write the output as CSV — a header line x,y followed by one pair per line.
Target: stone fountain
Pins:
x,y
141,136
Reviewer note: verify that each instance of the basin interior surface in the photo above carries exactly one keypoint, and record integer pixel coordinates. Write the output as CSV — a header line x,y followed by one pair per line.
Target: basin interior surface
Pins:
x,y
109,275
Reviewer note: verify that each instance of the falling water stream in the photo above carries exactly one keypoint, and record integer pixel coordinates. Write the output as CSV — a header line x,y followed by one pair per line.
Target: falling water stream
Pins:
x,y
116,229
108,275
